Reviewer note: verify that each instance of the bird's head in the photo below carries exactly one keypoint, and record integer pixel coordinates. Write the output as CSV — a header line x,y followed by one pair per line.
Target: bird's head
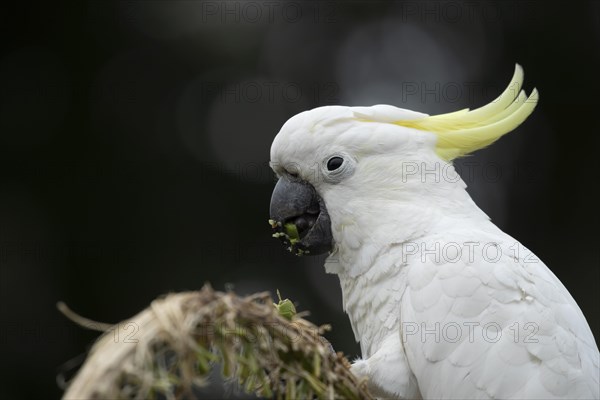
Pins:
x,y
336,165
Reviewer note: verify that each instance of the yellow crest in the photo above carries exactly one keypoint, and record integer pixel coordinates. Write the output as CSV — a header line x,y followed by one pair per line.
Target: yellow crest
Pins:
x,y
462,132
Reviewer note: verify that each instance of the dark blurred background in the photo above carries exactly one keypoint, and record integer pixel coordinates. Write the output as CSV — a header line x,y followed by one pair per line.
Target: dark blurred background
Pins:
x,y
135,136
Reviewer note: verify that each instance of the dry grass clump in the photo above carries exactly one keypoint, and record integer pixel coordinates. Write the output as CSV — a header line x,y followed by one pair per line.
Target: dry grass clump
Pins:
x,y
170,348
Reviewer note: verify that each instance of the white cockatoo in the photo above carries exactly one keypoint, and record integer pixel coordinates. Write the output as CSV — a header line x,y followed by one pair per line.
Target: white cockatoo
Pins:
x,y
444,304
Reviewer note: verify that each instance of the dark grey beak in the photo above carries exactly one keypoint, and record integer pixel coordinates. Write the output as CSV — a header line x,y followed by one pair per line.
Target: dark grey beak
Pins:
x,y
299,217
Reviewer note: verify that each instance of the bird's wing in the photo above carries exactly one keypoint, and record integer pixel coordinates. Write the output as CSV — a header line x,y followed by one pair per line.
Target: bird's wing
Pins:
x,y
497,324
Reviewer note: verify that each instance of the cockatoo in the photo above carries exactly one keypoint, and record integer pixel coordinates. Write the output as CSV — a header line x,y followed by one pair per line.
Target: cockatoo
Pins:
x,y
444,304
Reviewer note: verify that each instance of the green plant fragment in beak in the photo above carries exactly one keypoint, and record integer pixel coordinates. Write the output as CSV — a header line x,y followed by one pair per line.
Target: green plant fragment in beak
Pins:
x,y
292,231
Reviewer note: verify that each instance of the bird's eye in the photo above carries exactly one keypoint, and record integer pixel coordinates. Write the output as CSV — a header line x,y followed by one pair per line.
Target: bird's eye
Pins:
x,y
334,163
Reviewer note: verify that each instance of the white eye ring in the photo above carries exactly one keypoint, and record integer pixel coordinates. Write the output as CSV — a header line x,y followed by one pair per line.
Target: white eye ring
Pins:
x,y
337,167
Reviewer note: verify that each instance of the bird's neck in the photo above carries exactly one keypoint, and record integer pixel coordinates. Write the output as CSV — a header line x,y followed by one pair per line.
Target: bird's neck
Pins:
x,y
369,240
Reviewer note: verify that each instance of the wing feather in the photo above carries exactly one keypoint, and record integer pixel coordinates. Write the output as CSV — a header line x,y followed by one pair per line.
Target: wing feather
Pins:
x,y
523,335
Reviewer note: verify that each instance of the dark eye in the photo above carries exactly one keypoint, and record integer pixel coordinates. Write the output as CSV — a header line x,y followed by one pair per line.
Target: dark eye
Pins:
x,y
334,163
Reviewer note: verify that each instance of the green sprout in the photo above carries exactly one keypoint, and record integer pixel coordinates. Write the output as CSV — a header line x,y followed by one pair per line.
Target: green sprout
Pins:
x,y
285,307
